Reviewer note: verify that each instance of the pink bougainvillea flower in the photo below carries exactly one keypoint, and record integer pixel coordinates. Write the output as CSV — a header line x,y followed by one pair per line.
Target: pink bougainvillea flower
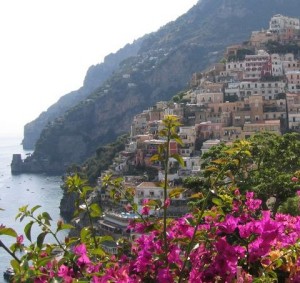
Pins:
x,y
167,202
229,224
295,179
145,210
251,203
20,239
83,260
80,249
63,271
164,276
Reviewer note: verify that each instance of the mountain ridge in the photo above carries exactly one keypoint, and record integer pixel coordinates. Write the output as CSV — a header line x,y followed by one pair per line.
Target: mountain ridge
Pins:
x,y
95,76
162,66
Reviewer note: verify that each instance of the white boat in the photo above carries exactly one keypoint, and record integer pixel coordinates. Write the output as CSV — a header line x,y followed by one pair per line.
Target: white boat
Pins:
x,y
8,274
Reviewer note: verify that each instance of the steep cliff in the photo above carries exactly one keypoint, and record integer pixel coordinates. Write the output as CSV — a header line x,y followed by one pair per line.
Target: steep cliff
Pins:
x,y
94,78
162,66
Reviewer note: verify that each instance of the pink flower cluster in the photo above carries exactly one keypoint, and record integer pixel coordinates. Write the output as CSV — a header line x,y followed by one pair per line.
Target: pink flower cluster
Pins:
x,y
236,247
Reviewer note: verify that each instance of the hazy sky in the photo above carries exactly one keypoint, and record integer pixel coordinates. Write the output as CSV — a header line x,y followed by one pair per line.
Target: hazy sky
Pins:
x,y
48,45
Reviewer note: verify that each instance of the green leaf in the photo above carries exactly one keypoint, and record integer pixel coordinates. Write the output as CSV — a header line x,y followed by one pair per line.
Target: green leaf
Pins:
x,y
34,209
84,233
197,196
155,157
27,230
179,159
211,169
217,201
178,140
8,232
66,226
15,265
278,263
46,216
152,203
134,207
98,252
95,210
247,152
43,261
231,151
85,190
40,239
220,161
105,238
23,208
175,193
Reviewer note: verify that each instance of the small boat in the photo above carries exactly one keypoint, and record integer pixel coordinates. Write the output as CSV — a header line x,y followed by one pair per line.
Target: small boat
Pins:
x,y
8,274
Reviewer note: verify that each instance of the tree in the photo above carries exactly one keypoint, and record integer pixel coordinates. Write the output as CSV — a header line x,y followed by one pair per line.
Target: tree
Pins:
x,y
267,167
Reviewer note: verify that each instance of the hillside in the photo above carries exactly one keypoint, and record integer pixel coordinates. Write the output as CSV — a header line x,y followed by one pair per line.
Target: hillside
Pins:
x,y
162,66
94,78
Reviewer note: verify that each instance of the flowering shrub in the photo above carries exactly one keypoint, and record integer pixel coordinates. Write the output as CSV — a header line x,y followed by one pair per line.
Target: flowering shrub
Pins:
x,y
226,237
245,245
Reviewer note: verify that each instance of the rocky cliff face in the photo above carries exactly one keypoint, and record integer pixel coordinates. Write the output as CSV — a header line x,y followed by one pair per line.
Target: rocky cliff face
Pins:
x,y
94,78
162,66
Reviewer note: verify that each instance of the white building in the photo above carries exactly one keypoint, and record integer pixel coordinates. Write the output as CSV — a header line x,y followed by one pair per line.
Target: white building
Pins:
x,y
289,63
188,137
277,65
207,145
268,90
293,78
280,23
235,66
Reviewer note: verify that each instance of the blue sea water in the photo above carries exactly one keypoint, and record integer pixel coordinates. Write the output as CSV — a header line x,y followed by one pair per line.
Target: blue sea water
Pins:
x,y
20,190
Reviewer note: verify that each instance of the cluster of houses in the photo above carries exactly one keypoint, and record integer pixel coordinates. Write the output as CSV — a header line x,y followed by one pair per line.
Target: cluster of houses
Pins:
x,y
231,100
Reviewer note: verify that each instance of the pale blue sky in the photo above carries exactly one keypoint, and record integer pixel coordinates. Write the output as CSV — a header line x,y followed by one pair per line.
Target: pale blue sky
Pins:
x,y
48,45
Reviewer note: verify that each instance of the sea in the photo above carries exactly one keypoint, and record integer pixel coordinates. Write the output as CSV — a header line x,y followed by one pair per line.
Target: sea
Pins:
x,y
24,189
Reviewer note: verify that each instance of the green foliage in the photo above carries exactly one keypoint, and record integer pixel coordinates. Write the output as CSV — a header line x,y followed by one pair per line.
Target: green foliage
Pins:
x,y
265,164
178,98
290,206
241,54
8,232
104,156
282,48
